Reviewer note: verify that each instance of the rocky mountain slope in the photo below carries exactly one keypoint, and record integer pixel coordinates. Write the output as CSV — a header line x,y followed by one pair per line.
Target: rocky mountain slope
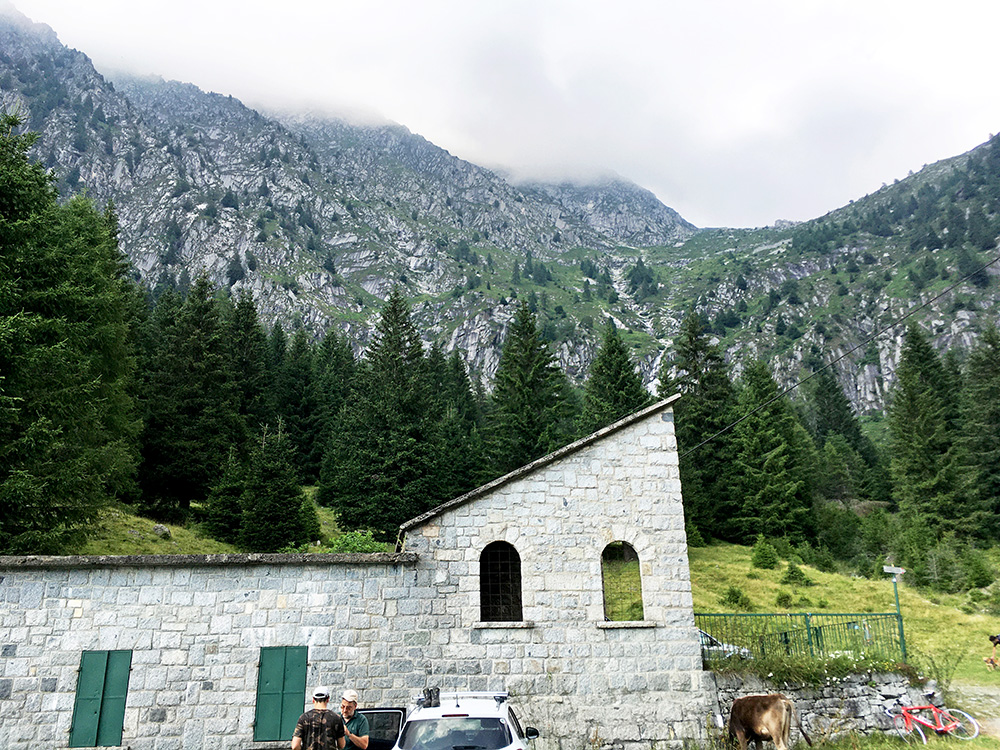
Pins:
x,y
319,218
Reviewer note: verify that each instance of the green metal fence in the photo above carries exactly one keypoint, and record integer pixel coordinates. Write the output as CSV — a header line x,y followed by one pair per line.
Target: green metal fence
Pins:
x,y
727,636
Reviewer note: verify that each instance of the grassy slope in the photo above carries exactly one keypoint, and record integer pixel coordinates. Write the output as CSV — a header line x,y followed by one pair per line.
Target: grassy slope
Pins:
x,y
120,533
935,626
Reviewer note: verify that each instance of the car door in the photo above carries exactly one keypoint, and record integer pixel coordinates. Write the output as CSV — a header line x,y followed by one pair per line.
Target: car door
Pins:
x,y
384,725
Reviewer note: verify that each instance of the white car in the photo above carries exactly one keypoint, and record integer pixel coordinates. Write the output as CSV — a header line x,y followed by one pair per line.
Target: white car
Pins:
x,y
713,649
463,721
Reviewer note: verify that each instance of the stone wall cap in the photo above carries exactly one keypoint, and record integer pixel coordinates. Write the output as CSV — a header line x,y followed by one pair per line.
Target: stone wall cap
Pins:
x,y
538,464
37,562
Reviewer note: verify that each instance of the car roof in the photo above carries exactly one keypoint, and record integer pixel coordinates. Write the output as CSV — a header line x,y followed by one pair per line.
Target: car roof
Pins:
x,y
479,705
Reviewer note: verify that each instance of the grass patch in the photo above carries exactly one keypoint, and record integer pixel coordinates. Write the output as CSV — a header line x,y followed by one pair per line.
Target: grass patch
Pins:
x,y
890,741
805,671
940,637
118,532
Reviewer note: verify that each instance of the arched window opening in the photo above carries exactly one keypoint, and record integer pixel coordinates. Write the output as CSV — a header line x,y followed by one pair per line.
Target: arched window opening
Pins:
x,y
500,583
622,584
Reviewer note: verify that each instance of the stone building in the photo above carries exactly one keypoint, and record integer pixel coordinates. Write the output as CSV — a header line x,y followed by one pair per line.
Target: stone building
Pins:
x,y
500,589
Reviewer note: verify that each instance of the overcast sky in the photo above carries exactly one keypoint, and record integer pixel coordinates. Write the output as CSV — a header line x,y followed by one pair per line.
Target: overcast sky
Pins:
x,y
733,112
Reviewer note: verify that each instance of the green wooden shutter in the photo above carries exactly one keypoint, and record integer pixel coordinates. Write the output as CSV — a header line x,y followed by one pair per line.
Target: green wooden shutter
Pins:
x,y
281,687
109,729
89,694
99,708
293,694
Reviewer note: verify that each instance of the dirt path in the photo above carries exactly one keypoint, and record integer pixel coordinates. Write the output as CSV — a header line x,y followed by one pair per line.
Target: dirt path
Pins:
x,y
982,701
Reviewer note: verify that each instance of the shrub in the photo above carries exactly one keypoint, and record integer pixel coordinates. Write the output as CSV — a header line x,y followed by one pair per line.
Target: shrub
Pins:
x,y
794,576
763,554
310,520
976,567
355,541
736,598
783,600
823,560
694,536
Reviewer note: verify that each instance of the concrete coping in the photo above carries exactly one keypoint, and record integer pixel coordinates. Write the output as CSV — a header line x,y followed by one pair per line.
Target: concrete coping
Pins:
x,y
620,624
52,562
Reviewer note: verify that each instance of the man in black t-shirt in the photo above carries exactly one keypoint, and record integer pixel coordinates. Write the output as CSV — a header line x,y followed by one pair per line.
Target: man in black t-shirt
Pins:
x,y
320,728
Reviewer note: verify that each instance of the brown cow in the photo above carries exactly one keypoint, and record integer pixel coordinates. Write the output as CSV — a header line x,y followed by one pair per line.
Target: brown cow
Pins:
x,y
764,717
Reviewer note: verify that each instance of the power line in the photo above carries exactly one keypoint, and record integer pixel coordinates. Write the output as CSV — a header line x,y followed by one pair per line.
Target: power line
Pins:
x,y
835,360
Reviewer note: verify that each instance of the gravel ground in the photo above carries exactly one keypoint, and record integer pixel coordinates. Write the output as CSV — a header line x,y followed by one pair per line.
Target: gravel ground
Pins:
x,y
982,701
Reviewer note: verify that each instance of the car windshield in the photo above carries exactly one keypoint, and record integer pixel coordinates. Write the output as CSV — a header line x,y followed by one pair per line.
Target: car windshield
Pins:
x,y
455,734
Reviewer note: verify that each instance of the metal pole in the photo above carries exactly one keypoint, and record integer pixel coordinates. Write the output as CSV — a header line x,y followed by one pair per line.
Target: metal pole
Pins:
x,y
896,572
899,619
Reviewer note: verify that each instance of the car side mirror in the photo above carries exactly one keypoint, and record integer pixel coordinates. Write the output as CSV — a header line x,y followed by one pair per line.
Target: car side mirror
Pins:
x,y
530,733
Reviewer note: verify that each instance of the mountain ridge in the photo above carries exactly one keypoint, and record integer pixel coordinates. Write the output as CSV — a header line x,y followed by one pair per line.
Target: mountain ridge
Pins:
x,y
319,219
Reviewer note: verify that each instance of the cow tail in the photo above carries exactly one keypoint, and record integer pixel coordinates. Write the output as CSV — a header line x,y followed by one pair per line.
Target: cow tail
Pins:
x,y
798,723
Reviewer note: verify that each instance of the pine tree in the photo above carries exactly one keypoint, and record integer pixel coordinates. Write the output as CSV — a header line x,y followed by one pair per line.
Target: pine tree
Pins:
x,y
380,467
224,505
249,357
532,410
333,372
925,463
274,512
192,416
707,405
67,421
773,464
829,415
299,407
277,343
459,443
614,388
981,439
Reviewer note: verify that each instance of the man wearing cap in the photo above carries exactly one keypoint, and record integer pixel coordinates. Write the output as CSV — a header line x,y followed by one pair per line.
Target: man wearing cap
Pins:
x,y
319,728
357,724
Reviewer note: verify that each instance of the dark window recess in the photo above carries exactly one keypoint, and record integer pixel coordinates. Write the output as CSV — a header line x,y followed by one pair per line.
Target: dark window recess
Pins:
x,y
500,583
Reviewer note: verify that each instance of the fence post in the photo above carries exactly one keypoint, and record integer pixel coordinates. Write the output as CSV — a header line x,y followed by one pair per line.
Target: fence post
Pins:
x,y
902,638
896,572
809,636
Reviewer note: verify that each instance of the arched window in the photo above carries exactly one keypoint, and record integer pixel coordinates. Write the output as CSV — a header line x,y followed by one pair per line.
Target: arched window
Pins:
x,y
499,583
622,585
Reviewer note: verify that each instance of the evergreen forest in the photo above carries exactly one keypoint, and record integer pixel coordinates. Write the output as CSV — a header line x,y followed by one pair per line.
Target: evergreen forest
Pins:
x,y
180,404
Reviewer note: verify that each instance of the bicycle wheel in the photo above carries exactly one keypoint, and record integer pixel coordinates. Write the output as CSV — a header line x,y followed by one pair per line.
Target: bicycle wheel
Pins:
x,y
967,727
912,733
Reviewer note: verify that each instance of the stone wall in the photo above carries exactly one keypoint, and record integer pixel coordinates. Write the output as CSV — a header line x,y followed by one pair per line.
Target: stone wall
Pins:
x,y
856,703
196,626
